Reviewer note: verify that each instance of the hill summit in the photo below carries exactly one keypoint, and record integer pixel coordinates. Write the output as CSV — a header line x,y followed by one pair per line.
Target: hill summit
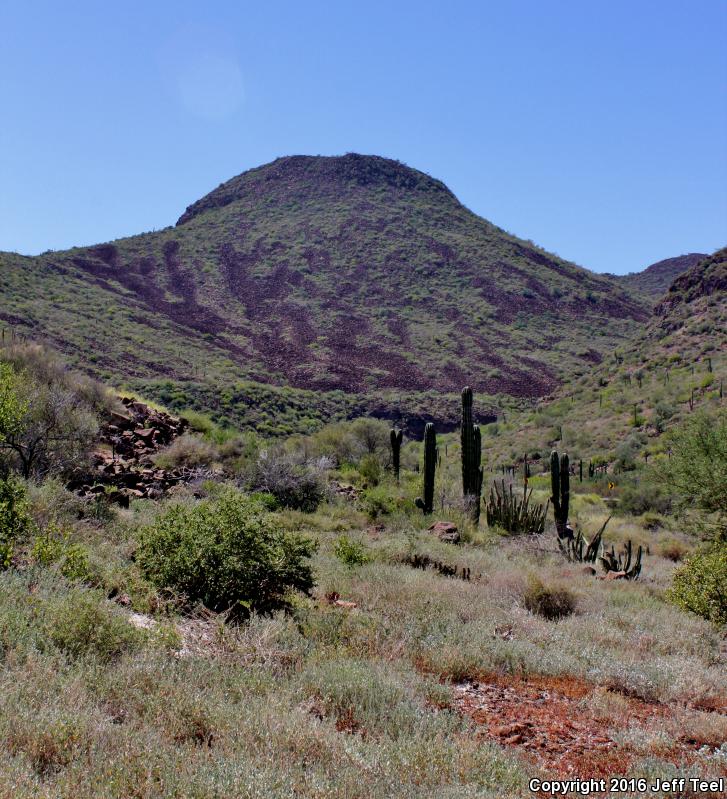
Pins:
x,y
351,273
300,178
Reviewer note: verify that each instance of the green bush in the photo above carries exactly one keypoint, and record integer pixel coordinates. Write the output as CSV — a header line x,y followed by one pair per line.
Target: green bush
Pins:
x,y
377,502
15,521
628,451
644,495
663,412
370,469
550,602
53,548
696,472
700,585
351,553
83,623
48,415
228,553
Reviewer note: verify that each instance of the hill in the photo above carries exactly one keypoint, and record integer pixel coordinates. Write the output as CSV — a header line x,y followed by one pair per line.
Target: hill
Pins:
x,y
621,407
656,279
314,287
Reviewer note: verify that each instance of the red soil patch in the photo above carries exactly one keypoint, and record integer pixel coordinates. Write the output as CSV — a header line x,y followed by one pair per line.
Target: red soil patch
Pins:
x,y
549,721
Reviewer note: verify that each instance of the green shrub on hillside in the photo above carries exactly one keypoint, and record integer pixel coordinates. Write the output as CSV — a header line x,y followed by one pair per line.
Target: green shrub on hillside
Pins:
x,y
644,495
700,585
370,469
552,602
53,548
380,501
628,451
228,553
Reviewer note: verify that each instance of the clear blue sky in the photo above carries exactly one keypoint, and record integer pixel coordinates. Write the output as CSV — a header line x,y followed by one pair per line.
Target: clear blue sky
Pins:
x,y
597,129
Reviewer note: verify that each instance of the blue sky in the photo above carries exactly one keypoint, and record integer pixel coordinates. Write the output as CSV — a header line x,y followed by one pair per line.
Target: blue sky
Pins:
x,y
596,129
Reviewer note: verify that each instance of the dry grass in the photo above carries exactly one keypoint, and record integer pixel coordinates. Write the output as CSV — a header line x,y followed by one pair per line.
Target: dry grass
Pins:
x,y
335,701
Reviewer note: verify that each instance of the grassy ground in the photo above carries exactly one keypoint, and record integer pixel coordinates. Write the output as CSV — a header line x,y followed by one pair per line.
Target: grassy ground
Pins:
x,y
342,700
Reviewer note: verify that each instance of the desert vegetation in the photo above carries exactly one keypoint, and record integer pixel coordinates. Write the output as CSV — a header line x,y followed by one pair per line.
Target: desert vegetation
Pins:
x,y
331,615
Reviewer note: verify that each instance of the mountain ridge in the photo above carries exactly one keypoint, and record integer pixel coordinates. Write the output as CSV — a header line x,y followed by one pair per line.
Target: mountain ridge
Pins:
x,y
655,279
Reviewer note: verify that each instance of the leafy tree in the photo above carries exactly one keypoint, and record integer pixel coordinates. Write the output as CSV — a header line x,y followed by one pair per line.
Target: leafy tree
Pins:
x,y
628,451
12,408
372,436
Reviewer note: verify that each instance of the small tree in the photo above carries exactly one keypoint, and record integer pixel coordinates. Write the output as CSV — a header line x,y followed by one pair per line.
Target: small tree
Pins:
x,y
47,417
372,437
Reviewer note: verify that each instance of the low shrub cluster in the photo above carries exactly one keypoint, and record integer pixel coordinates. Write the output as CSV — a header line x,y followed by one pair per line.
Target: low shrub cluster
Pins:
x,y
351,553
552,602
82,623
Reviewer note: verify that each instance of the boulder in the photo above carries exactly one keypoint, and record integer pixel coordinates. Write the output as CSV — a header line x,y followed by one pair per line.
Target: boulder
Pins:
x,y
446,531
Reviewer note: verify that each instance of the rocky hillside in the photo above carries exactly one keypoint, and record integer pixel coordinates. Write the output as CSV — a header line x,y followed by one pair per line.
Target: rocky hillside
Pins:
x,y
695,303
656,279
313,283
677,366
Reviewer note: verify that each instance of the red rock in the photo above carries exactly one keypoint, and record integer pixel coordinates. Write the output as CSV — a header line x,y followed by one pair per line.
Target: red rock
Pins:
x,y
445,531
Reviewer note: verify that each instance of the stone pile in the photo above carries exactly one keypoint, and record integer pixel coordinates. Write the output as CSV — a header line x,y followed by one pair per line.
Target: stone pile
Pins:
x,y
123,467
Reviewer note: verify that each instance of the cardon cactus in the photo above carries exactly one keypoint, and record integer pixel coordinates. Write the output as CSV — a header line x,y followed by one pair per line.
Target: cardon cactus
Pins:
x,y
426,503
513,514
396,438
471,440
560,487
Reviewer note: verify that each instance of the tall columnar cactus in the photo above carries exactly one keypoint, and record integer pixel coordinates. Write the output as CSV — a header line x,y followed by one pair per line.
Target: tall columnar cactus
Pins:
x,y
560,487
396,438
426,503
471,440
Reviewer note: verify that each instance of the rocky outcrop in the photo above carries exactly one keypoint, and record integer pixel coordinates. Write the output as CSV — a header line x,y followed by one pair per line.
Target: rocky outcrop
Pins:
x,y
123,467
